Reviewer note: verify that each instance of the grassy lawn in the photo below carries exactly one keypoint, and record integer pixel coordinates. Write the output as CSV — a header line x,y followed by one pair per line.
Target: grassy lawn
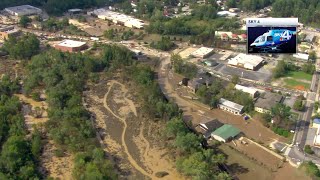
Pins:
x,y
300,75
296,84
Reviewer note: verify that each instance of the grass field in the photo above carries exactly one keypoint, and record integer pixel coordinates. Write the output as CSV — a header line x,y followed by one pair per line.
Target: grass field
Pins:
x,y
296,84
300,75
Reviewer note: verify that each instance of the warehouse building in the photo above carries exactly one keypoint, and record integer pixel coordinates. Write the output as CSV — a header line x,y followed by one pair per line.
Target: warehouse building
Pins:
x,y
5,32
118,18
266,101
202,52
230,106
71,46
24,10
250,62
253,92
225,133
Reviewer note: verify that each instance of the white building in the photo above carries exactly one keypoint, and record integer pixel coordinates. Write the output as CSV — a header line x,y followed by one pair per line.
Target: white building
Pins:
x,y
226,14
24,10
301,56
230,106
251,62
316,140
118,18
202,52
253,92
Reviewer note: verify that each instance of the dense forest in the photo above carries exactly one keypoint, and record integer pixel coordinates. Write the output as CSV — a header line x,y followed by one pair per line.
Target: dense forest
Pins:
x,y
19,155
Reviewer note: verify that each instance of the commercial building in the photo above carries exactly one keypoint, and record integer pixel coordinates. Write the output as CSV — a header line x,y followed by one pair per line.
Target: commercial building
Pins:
x,y
301,56
253,92
225,133
24,10
7,31
250,62
118,18
316,123
71,46
202,52
206,128
230,106
266,101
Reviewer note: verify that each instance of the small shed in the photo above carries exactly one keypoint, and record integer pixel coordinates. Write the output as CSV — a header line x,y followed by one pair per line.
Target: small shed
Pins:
x,y
316,123
225,133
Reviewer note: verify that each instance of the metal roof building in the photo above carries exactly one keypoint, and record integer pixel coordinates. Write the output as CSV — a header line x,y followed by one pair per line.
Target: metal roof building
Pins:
x,y
225,133
230,106
206,128
253,92
24,10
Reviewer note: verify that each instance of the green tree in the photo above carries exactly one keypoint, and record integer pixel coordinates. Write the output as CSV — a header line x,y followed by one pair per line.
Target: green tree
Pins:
x,y
307,149
308,68
281,69
110,34
187,143
231,3
235,79
312,55
174,127
24,21
298,105
280,113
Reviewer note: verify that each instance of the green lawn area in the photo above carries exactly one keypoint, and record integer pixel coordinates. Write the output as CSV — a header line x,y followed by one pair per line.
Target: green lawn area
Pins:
x,y
300,75
296,84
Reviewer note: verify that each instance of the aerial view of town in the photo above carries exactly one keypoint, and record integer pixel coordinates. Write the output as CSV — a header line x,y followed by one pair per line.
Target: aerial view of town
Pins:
x,y
160,89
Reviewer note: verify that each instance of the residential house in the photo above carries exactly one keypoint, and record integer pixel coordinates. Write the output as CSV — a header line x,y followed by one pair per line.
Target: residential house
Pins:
x,y
206,128
253,92
266,101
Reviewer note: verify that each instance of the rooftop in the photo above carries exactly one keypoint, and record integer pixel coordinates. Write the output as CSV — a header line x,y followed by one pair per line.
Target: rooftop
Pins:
x,y
246,59
226,131
202,51
206,128
301,56
246,89
71,43
268,100
226,13
24,10
231,104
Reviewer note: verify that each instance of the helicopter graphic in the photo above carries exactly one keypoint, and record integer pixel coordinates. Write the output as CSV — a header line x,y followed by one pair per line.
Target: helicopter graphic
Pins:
x,y
272,40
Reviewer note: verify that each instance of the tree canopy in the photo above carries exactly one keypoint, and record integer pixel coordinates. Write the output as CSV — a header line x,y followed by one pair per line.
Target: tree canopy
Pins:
x,y
23,47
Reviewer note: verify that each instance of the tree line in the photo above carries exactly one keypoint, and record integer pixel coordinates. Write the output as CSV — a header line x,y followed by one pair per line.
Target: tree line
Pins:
x,y
19,155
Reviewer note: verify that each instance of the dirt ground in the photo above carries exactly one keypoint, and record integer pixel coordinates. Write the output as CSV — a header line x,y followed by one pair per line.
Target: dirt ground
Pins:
x,y
50,164
265,158
244,168
126,135
9,67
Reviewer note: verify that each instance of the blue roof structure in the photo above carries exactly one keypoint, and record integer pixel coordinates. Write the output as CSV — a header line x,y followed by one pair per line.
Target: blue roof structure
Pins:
x,y
317,121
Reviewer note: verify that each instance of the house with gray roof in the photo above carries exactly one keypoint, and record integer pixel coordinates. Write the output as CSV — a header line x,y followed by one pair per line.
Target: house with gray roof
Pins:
x,y
266,101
